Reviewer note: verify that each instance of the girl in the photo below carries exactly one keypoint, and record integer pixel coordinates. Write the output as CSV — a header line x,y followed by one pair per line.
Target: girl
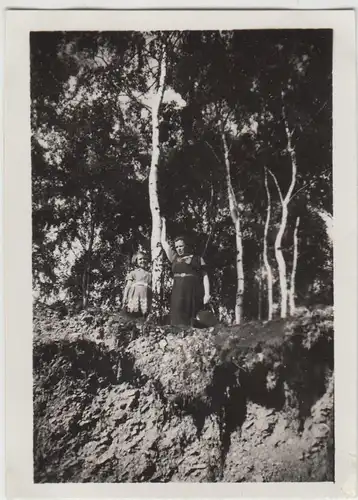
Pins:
x,y
137,294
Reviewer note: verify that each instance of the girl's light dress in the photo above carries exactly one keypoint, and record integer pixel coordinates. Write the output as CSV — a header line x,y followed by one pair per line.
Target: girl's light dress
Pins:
x,y
140,292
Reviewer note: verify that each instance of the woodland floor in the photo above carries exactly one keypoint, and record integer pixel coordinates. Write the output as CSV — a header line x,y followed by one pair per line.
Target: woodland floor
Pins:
x,y
121,401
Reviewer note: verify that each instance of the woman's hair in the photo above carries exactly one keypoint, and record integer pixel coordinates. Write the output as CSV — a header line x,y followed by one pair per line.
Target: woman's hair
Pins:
x,y
187,242
137,255
181,238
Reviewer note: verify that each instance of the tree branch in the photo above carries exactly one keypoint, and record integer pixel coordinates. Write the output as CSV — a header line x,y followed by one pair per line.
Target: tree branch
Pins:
x,y
208,238
212,149
291,152
308,184
146,58
134,98
176,43
225,120
277,185
101,58
317,113
212,217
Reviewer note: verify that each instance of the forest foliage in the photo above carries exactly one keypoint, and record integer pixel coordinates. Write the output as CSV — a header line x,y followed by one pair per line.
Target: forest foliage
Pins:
x,y
230,133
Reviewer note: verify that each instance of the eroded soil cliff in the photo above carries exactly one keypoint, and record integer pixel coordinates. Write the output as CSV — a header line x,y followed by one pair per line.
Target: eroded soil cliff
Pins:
x,y
116,400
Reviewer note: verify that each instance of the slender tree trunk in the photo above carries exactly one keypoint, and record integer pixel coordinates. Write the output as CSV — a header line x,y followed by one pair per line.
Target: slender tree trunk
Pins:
x,y
281,261
284,203
265,252
260,290
294,269
239,304
157,258
235,215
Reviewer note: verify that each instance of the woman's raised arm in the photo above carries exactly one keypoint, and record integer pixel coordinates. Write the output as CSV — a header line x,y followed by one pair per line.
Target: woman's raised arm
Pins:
x,y
164,241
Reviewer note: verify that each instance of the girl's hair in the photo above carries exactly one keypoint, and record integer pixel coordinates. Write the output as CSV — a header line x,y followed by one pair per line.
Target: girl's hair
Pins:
x,y
136,256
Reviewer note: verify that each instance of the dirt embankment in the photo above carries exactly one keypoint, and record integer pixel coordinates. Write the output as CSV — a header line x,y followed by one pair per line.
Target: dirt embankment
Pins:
x,y
119,401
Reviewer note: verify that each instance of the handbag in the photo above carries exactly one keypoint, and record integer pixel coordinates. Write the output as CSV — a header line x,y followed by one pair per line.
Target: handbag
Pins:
x,y
206,317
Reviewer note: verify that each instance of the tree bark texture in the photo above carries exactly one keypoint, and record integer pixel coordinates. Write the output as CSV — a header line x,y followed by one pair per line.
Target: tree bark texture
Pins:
x,y
281,263
235,215
157,257
292,296
259,314
284,215
265,252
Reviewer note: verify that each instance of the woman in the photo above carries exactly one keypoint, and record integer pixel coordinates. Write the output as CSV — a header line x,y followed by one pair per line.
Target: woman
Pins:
x,y
191,288
137,293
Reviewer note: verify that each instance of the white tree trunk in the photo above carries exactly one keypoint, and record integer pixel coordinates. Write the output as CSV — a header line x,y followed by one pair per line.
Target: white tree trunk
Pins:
x,y
235,215
281,262
239,303
265,252
284,203
260,280
157,258
292,296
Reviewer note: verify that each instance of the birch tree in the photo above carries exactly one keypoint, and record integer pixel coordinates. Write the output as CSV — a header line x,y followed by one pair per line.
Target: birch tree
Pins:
x,y
221,115
150,65
284,200
236,218
265,251
157,262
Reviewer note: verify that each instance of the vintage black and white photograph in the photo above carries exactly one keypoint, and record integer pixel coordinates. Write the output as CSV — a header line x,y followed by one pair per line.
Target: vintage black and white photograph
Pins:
x,y
182,256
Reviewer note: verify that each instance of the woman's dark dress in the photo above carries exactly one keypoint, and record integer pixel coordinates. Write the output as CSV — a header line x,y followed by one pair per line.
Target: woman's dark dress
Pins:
x,y
188,290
